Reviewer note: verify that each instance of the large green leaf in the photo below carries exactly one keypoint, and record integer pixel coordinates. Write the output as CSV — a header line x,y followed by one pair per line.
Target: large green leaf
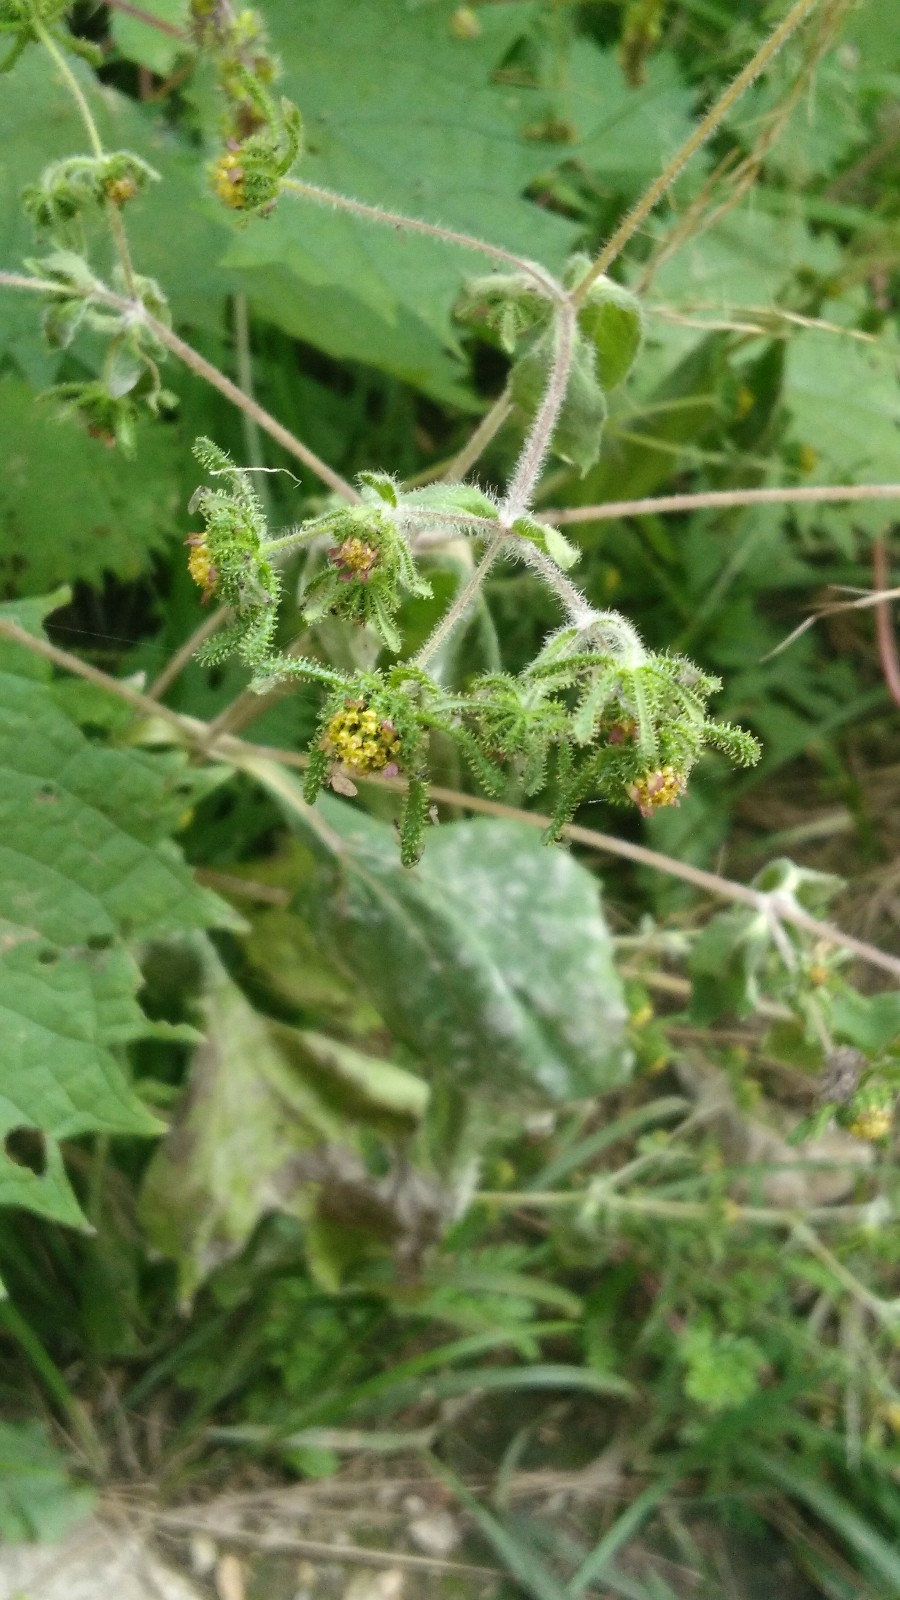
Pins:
x,y
87,867
490,961
261,1094
93,513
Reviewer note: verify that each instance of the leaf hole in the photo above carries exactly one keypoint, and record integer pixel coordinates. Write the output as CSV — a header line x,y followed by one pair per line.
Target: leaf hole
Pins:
x,y
100,941
48,957
27,1147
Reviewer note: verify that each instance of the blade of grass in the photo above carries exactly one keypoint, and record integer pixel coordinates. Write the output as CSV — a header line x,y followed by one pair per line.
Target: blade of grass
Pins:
x,y
876,1553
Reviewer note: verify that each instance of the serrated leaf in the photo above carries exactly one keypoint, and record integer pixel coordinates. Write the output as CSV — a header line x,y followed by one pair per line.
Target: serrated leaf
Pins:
x,y
86,867
91,514
490,960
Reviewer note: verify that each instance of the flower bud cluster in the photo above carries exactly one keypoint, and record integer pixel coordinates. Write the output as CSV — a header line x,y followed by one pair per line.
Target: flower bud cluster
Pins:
x,y
261,137
71,189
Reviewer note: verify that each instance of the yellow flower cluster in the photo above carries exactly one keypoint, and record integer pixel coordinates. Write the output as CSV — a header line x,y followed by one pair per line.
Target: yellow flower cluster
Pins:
x,y
655,789
227,178
121,190
873,1123
362,740
354,558
200,564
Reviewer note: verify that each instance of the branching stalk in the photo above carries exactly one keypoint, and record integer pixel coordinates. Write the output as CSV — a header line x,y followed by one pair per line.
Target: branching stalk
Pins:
x,y
704,130
521,489
204,369
463,601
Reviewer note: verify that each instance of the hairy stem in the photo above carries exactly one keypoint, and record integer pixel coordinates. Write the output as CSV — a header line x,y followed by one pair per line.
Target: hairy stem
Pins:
x,y
70,80
715,499
395,219
464,599
251,408
630,223
576,605
520,491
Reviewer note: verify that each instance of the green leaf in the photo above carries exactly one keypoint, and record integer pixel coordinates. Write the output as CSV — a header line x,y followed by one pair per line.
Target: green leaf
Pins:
x,y
38,1498
466,498
88,516
613,320
878,1555
86,868
152,47
490,960
231,1156
548,539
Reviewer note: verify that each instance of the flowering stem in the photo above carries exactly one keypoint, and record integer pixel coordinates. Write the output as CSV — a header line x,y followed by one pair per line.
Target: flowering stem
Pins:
x,y
629,225
395,219
461,604
225,748
71,82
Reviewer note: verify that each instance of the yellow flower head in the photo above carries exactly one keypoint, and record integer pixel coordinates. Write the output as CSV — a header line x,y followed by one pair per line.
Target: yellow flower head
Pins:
x,y
354,559
362,741
121,190
227,178
655,789
872,1123
200,564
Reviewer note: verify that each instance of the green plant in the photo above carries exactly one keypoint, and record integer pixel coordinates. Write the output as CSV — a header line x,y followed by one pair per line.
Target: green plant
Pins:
x,y
420,1065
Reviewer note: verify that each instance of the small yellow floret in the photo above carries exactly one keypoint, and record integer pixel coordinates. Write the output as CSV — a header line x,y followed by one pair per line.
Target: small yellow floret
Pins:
x,y
874,1123
200,564
227,178
121,190
361,740
655,789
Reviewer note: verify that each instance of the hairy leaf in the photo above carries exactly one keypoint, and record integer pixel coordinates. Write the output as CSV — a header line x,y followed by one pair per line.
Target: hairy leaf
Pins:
x,y
87,867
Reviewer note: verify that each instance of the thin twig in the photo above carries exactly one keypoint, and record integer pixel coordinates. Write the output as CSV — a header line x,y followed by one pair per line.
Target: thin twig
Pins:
x,y
609,844
251,408
713,499
149,20
467,594
186,652
651,197
395,219
343,1554
884,625
488,427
